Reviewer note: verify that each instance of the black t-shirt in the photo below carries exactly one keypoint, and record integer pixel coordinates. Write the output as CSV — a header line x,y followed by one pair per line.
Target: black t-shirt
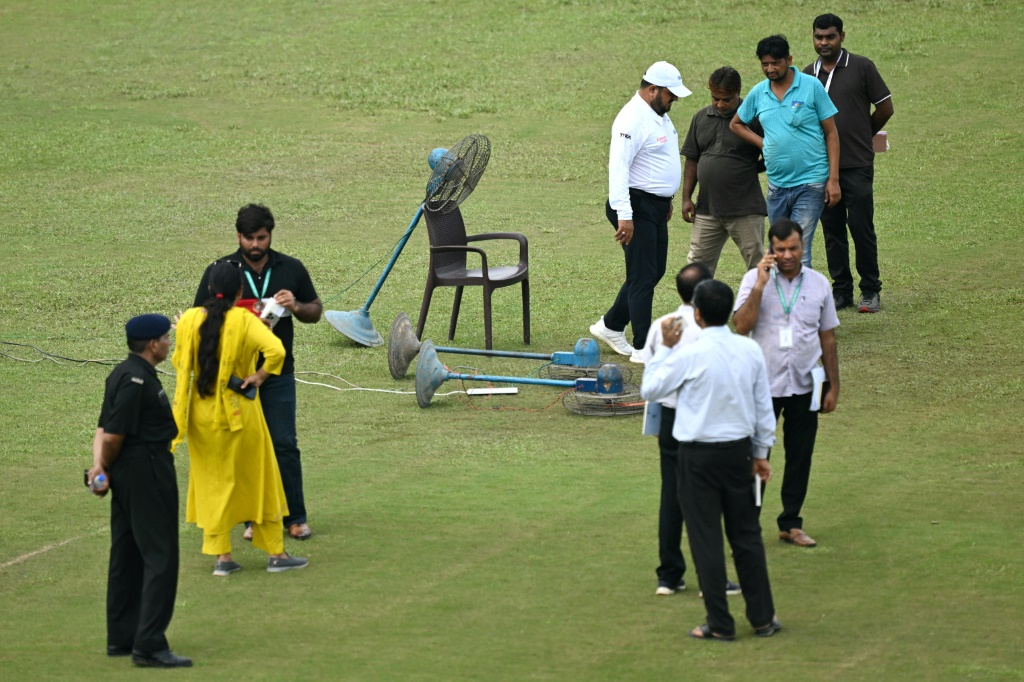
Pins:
x,y
855,86
727,166
135,405
285,273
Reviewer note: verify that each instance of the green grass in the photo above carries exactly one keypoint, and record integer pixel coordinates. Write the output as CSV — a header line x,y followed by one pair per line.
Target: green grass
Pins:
x,y
460,543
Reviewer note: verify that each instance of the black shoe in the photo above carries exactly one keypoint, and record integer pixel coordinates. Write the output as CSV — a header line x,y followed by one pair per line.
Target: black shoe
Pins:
x,y
842,300
116,651
161,659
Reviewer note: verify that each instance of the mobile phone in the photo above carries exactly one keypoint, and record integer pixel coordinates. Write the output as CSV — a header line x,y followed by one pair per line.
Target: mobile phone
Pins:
x,y
235,384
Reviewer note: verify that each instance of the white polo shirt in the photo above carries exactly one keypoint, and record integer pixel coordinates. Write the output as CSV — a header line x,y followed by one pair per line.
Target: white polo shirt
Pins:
x,y
644,155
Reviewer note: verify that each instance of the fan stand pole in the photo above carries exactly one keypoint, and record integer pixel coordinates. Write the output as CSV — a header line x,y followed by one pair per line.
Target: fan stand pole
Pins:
x,y
355,324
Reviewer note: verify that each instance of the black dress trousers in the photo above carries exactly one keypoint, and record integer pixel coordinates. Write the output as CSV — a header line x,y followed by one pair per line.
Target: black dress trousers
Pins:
x,y
670,515
646,259
717,482
143,576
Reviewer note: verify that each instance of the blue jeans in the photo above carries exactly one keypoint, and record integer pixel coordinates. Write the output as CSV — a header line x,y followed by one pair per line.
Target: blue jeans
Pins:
x,y
277,394
802,204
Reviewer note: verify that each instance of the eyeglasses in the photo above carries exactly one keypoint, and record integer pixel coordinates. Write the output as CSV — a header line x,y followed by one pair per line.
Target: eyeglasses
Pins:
x,y
237,264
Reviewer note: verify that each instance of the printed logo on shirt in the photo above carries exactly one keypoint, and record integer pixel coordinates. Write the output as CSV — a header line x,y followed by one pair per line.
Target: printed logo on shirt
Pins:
x,y
663,139
626,135
137,380
797,104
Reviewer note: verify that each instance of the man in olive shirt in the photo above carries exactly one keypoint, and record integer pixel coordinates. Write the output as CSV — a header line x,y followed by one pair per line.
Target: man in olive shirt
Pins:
x,y
730,202
854,86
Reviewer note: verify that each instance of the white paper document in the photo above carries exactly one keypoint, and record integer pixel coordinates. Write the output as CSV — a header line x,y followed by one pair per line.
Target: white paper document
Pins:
x,y
652,419
757,490
818,375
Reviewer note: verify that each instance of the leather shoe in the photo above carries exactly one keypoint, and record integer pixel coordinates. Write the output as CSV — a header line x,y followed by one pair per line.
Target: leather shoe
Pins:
x,y
161,659
299,531
797,537
116,651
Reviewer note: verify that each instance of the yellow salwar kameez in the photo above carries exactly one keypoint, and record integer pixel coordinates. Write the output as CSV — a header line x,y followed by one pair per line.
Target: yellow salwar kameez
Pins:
x,y
233,471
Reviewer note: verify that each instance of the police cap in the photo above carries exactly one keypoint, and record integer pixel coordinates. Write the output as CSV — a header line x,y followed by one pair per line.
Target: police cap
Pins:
x,y
146,327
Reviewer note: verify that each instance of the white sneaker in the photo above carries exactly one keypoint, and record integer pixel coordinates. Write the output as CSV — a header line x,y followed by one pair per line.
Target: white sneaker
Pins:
x,y
637,357
617,340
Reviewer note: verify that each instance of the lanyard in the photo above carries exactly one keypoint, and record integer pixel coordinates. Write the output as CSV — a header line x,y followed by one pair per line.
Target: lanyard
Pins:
x,y
266,283
782,299
817,68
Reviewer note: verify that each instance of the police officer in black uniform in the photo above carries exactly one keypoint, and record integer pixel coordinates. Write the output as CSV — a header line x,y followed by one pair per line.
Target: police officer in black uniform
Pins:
x,y
132,450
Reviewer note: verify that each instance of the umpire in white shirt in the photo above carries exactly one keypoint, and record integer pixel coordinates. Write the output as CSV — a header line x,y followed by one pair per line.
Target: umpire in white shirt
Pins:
x,y
725,425
644,172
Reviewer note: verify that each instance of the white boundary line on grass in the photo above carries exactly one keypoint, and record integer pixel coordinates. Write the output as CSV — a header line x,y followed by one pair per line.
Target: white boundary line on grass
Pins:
x,y
43,550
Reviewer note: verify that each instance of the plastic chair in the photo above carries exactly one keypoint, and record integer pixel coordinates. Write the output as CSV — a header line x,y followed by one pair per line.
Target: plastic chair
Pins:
x,y
448,248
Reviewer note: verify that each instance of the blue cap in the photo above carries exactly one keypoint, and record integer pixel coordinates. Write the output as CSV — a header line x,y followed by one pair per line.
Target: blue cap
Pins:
x,y
146,327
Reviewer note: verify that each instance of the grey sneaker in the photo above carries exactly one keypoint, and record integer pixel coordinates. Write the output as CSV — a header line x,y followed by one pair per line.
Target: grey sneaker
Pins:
x,y
617,340
870,303
223,568
287,563
731,589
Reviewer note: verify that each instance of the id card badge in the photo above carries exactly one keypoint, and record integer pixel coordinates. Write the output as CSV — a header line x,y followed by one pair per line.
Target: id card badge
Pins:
x,y
786,337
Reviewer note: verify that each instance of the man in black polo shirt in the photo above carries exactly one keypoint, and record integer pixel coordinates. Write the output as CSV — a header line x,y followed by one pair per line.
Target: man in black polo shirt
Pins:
x,y
730,202
131,450
854,85
269,274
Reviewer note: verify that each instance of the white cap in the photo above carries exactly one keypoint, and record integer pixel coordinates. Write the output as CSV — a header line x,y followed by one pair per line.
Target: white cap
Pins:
x,y
665,75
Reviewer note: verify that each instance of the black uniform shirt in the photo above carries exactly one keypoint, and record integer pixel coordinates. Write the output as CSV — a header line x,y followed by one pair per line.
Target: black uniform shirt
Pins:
x,y
135,405
285,273
727,166
853,86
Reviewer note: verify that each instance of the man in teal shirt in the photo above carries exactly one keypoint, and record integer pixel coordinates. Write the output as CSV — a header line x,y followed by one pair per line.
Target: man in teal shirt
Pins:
x,y
800,143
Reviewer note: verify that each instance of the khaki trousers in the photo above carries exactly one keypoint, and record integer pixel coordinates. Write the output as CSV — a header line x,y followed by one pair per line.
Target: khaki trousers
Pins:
x,y
710,234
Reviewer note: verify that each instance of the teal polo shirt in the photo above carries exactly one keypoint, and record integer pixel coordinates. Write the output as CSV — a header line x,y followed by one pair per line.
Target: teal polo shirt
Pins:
x,y
794,144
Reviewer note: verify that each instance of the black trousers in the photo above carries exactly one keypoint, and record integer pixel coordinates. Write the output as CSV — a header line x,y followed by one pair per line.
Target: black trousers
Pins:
x,y
670,514
856,211
143,577
716,482
646,259
799,429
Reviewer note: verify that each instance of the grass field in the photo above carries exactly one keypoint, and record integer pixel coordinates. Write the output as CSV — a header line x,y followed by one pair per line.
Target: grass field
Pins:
x,y
462,542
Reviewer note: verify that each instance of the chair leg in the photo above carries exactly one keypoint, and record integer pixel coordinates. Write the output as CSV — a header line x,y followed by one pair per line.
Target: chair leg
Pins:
x,y
526,311
424,307
487,318
455,313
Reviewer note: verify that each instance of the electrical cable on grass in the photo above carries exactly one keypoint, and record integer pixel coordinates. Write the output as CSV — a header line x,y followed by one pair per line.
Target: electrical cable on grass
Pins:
x,y
368,271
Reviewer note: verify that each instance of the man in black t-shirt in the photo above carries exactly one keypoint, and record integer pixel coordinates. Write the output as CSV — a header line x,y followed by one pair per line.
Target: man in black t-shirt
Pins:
x,y
269,274
854,86
730,202
131,449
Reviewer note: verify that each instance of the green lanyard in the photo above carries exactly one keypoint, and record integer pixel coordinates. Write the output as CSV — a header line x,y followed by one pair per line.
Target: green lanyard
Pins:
x,y
266,283
786,308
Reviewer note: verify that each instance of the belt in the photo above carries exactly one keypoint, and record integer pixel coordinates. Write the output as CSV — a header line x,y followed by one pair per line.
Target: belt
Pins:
x,y
633,191
719,445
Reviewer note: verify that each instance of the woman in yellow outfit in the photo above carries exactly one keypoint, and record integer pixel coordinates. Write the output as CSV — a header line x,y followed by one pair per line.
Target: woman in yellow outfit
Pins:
x,y
233,472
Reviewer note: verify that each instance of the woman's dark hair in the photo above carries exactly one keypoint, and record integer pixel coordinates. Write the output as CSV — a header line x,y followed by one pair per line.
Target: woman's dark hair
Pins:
x,y
225,281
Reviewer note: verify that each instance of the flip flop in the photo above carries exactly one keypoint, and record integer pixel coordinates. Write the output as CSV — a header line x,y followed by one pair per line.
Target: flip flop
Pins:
x,y
707,635
768,630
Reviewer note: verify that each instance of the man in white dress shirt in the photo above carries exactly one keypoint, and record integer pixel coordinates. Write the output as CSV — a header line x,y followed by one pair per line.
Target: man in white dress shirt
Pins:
x,y
672,565
725,425
644,172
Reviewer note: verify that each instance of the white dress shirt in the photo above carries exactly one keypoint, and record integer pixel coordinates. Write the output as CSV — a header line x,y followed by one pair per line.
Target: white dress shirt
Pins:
x,y
691,330
722,384
644,155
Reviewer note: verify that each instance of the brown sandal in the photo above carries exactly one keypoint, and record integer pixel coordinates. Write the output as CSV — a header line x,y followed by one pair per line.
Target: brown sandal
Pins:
x,y
707,634
299,531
